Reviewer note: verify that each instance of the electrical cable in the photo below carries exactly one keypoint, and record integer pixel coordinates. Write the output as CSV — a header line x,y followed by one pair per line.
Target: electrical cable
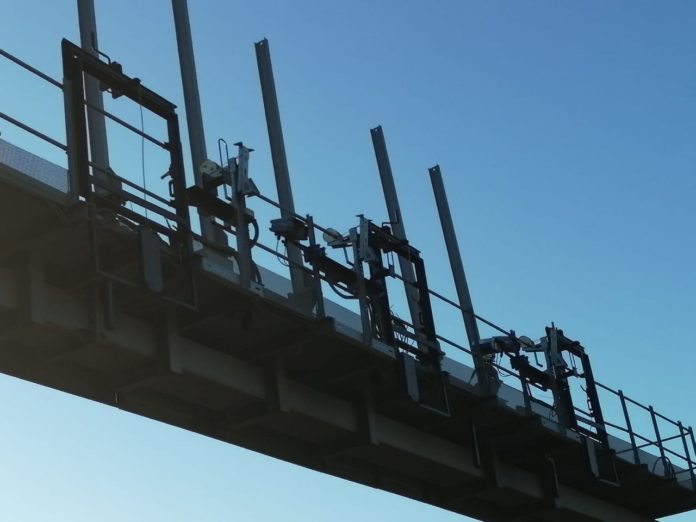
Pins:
x,y
257,231
280,258
340,293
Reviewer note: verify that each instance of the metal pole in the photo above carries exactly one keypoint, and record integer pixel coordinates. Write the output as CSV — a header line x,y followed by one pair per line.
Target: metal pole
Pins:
x,y
455,257
658,442
687,456
321,312
192,101
99,149
396,221
486,377
354,234
300,286
241,228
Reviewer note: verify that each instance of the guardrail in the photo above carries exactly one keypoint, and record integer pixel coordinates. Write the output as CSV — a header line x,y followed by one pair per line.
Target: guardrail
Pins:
x,y
18,123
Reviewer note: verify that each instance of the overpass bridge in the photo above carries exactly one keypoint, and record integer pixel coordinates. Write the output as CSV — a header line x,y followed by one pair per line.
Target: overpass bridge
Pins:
x,y
107,292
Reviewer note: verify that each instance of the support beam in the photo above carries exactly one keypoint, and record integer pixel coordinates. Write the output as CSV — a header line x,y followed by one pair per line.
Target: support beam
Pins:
x,y
364,436
274,403
193,362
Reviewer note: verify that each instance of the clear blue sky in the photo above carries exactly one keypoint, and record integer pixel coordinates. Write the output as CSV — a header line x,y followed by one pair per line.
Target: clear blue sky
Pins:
x,y
565,131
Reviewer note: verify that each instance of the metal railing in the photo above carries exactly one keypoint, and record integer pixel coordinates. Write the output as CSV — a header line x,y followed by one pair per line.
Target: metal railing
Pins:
x,y
685,435
683,460
18,123
143,197
674,463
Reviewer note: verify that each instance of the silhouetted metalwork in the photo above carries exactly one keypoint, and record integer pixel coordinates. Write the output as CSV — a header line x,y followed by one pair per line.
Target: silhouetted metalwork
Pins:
x,y
107,293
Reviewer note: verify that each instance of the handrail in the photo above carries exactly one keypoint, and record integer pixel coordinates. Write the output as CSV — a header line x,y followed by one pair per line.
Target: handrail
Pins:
x,y
127,125
18,123
31,69
30,130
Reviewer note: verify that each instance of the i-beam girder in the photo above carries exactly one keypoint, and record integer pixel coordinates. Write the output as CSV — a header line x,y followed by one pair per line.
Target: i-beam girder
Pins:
x,y
48,309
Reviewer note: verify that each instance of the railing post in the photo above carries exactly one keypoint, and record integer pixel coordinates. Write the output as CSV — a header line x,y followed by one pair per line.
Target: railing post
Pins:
x,y
315,269
682,433
526,395
301,291
636,456
659,440
693,444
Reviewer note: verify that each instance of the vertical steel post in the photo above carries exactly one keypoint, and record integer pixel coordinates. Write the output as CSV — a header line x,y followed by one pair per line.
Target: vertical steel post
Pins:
x,y
631,435
357,235
192,101
483,369
99,148
300,285
526,395
455,257
321,312
397,223
693,446
75,127
683,432
663,456
593,399
241,172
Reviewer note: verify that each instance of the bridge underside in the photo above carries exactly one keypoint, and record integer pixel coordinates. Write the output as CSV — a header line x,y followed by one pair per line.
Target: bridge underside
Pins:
x,y
250,370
